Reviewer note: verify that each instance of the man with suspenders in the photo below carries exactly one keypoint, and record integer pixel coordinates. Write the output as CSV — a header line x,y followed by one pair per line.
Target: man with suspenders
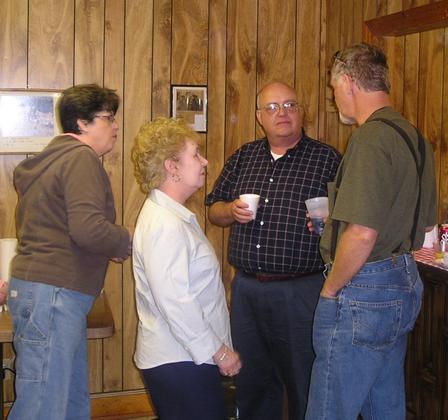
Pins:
x,y
381,203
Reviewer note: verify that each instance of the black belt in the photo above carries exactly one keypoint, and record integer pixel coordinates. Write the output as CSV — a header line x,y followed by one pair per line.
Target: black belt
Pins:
x,y
267,277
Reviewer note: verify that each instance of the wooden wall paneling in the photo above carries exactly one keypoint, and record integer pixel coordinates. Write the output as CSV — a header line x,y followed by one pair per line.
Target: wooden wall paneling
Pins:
x,y
190,42
13,43
370,9
241,87
276,42
308,55
114,164
380,12
95,359
394,49
346,39
161,72
430,89
137,110
88,66
332,45
443,180
8,197
50,57
411,68
89,41
241,73
358,20
324,90
189,63
381,7
410,77
216,114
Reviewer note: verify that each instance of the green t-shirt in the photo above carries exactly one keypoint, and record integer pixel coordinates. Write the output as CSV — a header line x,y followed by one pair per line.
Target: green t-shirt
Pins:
x,y
379,187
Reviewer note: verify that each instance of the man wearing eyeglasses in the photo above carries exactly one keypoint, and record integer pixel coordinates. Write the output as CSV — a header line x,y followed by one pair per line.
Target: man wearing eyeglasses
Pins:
x,y
278,266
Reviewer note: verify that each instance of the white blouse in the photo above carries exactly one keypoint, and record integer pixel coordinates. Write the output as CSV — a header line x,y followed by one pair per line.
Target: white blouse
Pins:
x,y
180,297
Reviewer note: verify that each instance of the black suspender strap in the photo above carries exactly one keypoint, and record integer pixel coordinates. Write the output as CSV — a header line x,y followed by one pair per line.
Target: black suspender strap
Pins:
x,y
420,167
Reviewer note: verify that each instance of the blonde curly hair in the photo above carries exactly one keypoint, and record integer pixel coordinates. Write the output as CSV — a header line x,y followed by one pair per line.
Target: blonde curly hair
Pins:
x,y
157,141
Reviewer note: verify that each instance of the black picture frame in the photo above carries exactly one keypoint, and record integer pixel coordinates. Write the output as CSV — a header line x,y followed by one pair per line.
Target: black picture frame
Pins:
x,y
190,103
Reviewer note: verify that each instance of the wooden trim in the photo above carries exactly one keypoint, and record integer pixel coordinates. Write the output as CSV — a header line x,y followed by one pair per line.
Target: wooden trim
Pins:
x,y
121,404
115,404
417,19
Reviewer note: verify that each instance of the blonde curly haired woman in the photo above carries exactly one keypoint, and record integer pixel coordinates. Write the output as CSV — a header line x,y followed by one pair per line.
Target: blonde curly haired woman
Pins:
x,y
183,340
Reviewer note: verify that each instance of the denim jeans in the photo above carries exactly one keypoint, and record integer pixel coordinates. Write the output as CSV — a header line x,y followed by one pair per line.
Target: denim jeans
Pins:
x,y
50,342
272,330
360,343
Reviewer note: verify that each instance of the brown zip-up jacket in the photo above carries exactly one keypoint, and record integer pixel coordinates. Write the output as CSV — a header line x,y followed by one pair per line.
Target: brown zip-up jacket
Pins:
x,y
65,218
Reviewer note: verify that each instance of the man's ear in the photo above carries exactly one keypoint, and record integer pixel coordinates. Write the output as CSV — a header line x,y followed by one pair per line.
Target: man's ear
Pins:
x,y
258,115
349,84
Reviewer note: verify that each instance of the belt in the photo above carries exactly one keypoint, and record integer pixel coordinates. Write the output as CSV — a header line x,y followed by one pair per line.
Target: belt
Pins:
x,y
268,277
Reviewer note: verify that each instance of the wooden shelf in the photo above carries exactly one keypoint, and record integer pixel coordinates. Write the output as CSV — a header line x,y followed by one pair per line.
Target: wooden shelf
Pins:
x,y
417,19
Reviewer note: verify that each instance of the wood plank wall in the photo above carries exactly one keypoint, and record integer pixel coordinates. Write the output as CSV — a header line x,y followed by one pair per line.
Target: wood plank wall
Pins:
x,y
141,47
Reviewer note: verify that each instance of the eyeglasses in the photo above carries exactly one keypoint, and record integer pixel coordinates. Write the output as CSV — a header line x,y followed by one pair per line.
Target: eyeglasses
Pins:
x,y
273,108
110,117
337,55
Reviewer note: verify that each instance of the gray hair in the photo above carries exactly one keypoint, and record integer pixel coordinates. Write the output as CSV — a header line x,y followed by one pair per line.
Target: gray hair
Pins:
x,y
365,64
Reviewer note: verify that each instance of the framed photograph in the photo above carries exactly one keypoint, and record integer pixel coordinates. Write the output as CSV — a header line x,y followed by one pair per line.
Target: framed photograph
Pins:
x,y
190,103
27,120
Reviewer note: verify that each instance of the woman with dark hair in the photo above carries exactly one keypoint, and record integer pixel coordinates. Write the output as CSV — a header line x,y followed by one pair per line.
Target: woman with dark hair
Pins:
x,y
66,235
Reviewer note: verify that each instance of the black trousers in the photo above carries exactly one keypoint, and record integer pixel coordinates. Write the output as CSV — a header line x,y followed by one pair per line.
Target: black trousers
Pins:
x,y
272,330
184,391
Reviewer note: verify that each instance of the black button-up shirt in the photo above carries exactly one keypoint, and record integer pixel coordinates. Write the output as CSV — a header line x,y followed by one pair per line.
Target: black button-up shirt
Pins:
x,y
278,240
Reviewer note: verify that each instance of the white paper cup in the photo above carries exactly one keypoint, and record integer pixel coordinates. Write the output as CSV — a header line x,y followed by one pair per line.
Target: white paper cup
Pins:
x,y
252,200
8,248
318,210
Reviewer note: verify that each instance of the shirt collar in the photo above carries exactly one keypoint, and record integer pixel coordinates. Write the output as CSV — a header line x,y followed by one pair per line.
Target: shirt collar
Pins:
x,y
163,200
379,111
293,149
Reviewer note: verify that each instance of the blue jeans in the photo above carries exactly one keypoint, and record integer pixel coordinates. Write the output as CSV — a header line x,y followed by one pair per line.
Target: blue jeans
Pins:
x,y
360,343
50,342
272,330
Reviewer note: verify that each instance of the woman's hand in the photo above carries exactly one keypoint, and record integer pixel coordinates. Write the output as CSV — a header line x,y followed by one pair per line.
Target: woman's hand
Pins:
x,y
227,360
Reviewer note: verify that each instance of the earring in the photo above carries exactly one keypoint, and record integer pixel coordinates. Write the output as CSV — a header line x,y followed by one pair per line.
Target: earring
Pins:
x,y
175,177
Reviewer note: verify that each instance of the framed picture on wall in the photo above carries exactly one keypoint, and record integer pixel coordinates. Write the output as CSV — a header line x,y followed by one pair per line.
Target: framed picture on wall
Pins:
x,y
190,103
27,120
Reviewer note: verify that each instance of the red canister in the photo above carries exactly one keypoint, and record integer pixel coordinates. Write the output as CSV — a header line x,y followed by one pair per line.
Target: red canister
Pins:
x,y
443,236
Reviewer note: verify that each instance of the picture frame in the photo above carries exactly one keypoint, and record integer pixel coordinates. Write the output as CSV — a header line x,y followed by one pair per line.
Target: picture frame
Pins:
x,y
28,120
190,103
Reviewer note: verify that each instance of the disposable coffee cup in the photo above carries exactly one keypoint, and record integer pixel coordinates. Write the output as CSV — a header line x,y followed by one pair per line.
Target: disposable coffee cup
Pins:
x,y
7,251
318,210
252,200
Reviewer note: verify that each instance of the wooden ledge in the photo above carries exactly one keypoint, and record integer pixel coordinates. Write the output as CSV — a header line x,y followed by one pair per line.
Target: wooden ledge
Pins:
x,y
410,21
100,323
